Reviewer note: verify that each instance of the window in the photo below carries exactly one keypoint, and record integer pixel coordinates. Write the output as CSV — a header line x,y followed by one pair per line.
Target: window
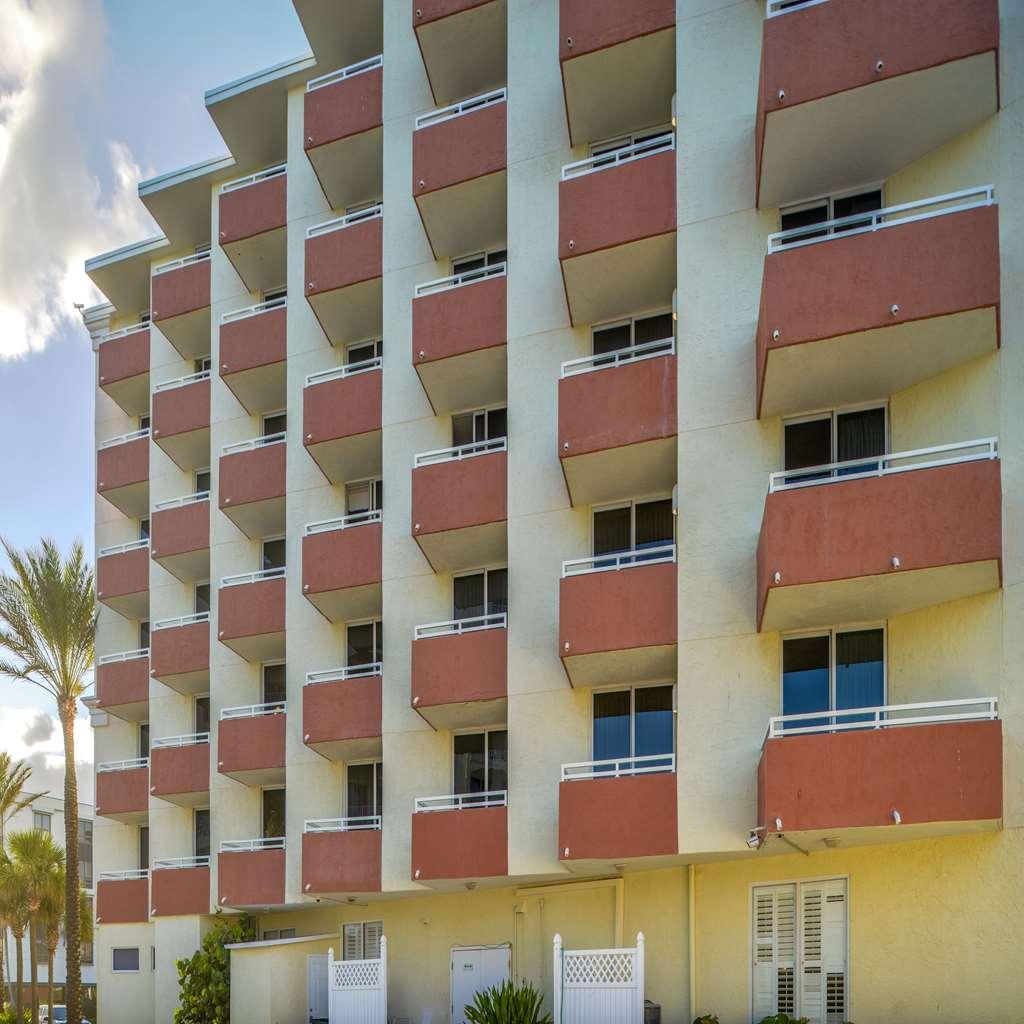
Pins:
x,y
361,351
636,722
364,496
203,251
480,761
201,714
85,852
362,940
152,958
88,954
201,832
610,146
275,688
143,423
201,598
481,425
481,593
273,553
817,211
143,529
834,437
272,818
275,423
479,261
202,481
833,671
144,635
275,294
654,330
144,317
799,950
633,526
143,847
124,960
41,821
144,739
365,790
364,643
202,365
278,933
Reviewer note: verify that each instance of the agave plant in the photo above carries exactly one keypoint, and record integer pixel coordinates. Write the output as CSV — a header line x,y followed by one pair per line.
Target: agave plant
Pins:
x,y
508,1003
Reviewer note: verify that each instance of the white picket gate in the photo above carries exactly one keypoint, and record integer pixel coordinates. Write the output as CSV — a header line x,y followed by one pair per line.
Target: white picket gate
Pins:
x,y
358,989
599,986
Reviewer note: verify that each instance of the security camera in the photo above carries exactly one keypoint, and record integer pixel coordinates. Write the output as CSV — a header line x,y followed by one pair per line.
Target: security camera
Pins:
x,y
754,841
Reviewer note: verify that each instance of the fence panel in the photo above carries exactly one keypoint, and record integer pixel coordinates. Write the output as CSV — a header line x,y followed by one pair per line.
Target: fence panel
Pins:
x,y
358,989
599,986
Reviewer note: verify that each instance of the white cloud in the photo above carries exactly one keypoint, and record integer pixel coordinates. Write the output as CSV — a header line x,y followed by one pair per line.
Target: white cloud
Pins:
x,y
55,211
41,729
46,757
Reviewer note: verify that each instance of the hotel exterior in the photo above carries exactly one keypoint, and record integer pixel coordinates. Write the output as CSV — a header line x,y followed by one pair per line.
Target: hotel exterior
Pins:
x,y
562,475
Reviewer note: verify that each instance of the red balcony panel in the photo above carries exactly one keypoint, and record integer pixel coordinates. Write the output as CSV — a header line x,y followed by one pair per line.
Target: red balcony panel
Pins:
x,y
124,357
182,290
251,879
946,772
180,530
122,465
589,25
460,494
342,719
180,410
343,258
341,408
180,772
459,149
341,862
122,688
613,819
252,489
123,795
251,618
343,109
122,901
253,209
253,341
180,656
463,844
180,891
122,581
247,747
341,571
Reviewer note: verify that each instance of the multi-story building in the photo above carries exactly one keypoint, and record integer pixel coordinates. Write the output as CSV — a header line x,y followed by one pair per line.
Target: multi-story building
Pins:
x,y
562,473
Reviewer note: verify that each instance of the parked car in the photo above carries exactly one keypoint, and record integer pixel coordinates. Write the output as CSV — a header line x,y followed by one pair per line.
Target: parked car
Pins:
x,y
60,1015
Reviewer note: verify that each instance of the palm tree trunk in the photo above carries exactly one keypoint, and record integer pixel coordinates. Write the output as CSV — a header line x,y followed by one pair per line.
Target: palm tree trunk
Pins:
x,y
33,971
49,982
73,984
19,992
3,945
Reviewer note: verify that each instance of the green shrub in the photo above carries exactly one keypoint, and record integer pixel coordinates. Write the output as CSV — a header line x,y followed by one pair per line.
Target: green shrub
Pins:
x,y
204,978
784,1018
9,1016
508,1003
707,1018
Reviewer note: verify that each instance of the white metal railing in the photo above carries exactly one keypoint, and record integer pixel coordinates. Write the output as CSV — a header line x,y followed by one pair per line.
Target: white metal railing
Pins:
x,y
184,261
607,360
132,874
876,220
120,549
336,675
776,7
342,73
443,284
180,382
473,625
349,370
241,578
337,223
187,740
983,449
619,560
123,332
366,823
275,707
464,451
135,435
616,157
619,767
259,307
885,716
253,179
109,659
123,766
252,845
181,620
344,522
187,499
486,99
461,801
253,443
175,863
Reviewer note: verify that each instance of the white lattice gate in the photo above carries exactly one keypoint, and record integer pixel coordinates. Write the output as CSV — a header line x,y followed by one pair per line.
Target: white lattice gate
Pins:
x,y
358,989
599,986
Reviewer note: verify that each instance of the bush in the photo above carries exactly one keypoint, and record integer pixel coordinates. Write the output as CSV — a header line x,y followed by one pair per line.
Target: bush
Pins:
x,y
9,1016
784,1018
707,1018
508,1003
204,979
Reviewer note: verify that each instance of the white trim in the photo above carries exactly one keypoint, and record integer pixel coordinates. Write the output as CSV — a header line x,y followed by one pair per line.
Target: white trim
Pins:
x,y
775,7
264,441
281,302
261,943
183,261
123,332
120,549
619,767
366,823
181,620
459,626
253,179
133,874
460,452
344,522
461,279
276,707
187,499
371,212
180,382
615,561
460,801
193,739
252,845
178,863
467,106
130,764
259,576
135,435
621,356
109,659
348,370
617,157
127,970
339,675
370,64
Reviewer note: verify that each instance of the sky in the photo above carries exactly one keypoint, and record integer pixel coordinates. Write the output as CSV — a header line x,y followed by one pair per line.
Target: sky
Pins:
x,y
95,95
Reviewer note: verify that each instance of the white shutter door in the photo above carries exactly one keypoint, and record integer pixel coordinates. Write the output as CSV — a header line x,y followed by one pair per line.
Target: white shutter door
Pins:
x,y
774,950
833,950
372,931
353,949
823,951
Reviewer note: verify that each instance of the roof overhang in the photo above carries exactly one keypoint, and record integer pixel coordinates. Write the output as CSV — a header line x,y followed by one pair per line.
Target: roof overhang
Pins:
x,y
123,274
180,200
342,34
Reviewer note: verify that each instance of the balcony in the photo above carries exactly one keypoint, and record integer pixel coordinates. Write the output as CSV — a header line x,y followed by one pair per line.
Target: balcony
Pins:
x,y
617,423
459,505
253,354
250,873
458,174
341,712
252,219
343,275
341,566
344,136
122,897
122,473
252,484
910,770
877,303
123,368
181,420
122,578
610,811
462,43
460,838
251,614
459,335
851,92
618,62
122,685
459,672
122,790
180,653
180,536
617,230
251,743
181,886
341,855
181,303
179,769
341,418
874,538
617,617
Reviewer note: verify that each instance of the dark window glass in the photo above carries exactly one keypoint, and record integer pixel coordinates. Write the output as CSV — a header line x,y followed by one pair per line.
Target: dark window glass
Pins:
x,y
125,959
202,597
143,423
470,765
497,591
653,328
860,435
361,353
463,429
364,643
275,689
202,481
143,529
363,794
144,740
202,714
496,257
805,676
654,726
202,832
85,852
273,813
849,206
468,596
276,424
611,725
610,339
497,424
468,263
143,847
805,219
654,523
808,444
144,635
273,554
860,671
497,760
612,530
379,773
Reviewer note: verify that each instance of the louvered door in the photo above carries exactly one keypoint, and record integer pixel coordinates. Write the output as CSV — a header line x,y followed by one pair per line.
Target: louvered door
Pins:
x,y
823,951
774,949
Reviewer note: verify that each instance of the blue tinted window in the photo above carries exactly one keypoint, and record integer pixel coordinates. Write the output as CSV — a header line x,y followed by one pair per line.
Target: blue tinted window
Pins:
x,y
611,725
805,682
654,725
860,674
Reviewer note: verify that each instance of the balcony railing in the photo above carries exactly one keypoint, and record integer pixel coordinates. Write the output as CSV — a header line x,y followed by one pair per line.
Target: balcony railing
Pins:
x,y
617,157
177,863
370,213
123,876
184,261
776,7
984,449
123,766
619,767
123,332
181,620
120,549
188,499
110,659
187,740
619,560
251,845
460,452
344,522
876,220
367,823
461,801
985,709
277,707
341,74
240,579
486,99
443,284
252,179
632,354
253,443
180,382
135,435
334,675
458,626
349,370
248,311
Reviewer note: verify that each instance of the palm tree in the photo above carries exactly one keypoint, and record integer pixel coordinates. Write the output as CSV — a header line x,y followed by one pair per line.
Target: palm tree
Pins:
x,y
48,624
13,798
14,903
51,917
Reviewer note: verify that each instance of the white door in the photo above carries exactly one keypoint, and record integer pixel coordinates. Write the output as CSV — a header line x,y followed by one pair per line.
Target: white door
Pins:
x,y
316,984
475,968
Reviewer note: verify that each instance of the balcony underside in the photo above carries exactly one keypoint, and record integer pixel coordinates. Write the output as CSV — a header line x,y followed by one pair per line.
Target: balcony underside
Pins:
x,y
131,500
133,711
187,683
351,313
358,748
188,450
465,714
261,388
130,393
467,217
189,332
260,261
357,457
272,775
350,170
455,550
637,664
191,798
258,646
478,378
348,604
464,53
131,606
258,518
614,474
187,566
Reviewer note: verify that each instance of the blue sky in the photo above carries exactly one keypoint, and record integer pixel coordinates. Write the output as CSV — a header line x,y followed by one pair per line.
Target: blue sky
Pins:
x,y
94,95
